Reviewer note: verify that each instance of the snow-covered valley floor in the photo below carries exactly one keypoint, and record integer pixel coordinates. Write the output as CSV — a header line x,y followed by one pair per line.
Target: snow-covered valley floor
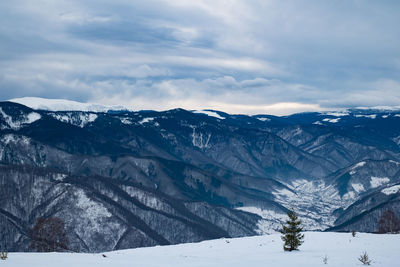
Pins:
x,y
341,250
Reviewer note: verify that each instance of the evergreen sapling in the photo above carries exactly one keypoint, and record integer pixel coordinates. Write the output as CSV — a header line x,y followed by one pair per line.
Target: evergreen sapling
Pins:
x,y
292,235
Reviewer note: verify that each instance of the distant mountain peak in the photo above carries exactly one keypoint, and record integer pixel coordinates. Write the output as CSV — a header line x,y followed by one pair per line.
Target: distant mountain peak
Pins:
x,y
63,105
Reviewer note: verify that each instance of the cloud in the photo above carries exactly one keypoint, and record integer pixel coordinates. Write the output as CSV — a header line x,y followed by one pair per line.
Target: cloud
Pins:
x,y
238,56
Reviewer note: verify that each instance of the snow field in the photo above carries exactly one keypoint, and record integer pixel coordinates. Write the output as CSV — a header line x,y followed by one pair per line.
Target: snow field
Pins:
x,y
341,249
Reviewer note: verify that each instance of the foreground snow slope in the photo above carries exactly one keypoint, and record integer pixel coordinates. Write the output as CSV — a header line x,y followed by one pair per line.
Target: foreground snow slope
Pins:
x,y
341,249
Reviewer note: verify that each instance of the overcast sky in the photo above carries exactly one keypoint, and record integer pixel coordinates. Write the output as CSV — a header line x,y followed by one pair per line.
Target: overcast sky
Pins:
x,y
251,57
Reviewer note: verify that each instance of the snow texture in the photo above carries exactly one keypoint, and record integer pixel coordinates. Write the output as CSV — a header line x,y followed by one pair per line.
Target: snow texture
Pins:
x,y
146,120
264,119
338,114
373,116
210,113
391,190
12,138
271,221
341,249
314,202
200,140
62,105
332,120
17,124
92,209
126,121
81,120
358,165
378,181
317,123
358,187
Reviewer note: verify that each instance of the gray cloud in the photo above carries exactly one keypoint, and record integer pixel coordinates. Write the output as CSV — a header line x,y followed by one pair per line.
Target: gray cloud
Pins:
x,y
237,56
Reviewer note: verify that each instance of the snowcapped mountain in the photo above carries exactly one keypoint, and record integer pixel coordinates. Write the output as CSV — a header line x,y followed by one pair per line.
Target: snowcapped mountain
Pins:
x,y
145,178
63,105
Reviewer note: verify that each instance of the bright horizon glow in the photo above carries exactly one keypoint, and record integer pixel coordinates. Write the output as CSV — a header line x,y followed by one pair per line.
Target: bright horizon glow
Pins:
x,y
278,109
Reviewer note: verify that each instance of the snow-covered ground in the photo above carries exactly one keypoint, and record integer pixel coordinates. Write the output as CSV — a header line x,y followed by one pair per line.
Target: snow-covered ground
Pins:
x,y
341,249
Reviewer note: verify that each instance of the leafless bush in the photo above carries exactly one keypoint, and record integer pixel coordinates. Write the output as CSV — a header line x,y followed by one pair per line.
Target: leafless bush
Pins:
x,y
49,235
325,259
364,258
389,223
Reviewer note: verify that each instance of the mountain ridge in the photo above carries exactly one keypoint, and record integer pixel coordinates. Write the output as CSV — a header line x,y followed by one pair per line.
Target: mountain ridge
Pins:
x,y
235,176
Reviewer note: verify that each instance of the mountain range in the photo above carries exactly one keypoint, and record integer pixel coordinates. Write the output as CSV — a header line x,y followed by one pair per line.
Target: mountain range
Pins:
x,y
120,178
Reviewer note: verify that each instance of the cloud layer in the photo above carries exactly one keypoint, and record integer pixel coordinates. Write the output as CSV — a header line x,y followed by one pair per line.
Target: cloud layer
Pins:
x,y
237,56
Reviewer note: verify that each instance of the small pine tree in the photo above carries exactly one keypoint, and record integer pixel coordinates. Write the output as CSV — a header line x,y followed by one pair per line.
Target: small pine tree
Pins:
x,y
292,235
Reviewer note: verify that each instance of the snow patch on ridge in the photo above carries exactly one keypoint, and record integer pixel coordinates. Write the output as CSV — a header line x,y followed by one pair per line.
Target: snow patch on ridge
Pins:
x,y
372,116
391,190
338,114
146,120
12,138
378,181
32,117
80,119
209,113
60,177
358,187
92,209
263,119
332,120
358,165
17,124
126,121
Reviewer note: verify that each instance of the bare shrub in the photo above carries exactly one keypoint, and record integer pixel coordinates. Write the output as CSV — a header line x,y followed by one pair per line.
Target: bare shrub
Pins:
x,y
48,235
364,258
388,223
325,259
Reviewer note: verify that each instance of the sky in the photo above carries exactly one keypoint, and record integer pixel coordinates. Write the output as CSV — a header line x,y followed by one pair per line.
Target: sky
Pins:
x,y
252,57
